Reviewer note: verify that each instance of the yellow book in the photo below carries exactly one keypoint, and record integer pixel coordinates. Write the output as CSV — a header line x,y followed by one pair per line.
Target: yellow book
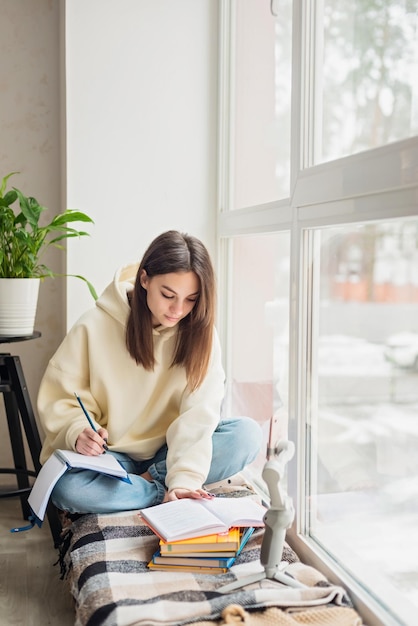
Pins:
x,y
191,569
229,541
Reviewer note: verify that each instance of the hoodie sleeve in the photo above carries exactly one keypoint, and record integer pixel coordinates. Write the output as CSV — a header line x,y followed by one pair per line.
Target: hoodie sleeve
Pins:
x,y
189,437
60,415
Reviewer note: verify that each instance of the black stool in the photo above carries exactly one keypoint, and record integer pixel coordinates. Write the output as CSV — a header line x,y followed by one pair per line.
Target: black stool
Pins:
x,y
19,412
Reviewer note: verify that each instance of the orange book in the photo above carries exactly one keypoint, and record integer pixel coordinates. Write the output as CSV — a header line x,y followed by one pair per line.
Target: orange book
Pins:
x,y
229,541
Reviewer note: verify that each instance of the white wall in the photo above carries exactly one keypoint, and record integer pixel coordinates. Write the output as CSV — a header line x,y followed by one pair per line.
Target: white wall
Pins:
x,y
141,103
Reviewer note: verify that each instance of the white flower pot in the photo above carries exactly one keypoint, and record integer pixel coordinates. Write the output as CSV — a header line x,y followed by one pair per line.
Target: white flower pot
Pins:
x,y
18,303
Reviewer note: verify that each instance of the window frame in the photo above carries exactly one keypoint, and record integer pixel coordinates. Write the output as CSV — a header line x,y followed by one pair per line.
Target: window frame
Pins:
x,y
328,194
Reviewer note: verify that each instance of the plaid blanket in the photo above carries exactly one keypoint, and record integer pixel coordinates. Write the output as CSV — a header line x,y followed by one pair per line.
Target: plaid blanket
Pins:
x,y
105,562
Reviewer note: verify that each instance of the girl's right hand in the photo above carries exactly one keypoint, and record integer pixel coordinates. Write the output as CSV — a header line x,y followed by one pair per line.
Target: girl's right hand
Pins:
x,y
91,443
197,494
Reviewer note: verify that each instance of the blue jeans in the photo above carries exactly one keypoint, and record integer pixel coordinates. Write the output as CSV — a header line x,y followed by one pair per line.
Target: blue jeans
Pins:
x,y
236,443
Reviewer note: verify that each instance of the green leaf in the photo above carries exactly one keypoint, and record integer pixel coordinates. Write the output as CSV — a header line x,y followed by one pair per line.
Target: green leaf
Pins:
x,y
8,199
70,216
4,182
23,241
30,208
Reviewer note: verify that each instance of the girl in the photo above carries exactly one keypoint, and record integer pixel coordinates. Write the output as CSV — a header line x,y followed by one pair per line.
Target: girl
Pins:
x,y
146,363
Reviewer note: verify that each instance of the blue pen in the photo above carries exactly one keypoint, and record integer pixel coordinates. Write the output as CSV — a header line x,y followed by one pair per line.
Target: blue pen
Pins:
x,y
88,417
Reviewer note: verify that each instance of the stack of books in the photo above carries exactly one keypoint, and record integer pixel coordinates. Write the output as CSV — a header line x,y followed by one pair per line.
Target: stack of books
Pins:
x,y
212,554
203,536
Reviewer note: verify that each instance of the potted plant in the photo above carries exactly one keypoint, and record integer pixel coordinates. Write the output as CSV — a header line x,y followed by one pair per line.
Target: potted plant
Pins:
x,y
23,242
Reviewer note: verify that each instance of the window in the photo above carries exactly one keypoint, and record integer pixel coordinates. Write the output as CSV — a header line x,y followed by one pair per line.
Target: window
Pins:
x,y
258,334
361,489
369,87
318,229
261,99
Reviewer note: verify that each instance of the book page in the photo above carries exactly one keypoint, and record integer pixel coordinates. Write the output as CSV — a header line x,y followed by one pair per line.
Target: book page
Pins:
x,y
181,519
48,475
105,463
236,511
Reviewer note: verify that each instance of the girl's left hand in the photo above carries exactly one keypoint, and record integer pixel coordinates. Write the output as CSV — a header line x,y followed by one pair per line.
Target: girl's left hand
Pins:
x,y
197,494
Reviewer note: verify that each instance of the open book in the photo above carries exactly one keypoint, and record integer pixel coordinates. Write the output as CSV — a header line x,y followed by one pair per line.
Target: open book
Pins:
x,y
187,518
57,464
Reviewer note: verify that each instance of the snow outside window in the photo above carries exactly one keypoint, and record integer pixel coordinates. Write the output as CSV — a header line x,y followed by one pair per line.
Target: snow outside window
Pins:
x,y
361,484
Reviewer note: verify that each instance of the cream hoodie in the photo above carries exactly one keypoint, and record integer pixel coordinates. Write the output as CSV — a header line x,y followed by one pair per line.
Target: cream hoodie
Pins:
x,y
140,409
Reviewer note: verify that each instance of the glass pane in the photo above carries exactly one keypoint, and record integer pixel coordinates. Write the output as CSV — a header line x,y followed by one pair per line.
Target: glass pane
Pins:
x,y
261,154
363,487
259,334
369,73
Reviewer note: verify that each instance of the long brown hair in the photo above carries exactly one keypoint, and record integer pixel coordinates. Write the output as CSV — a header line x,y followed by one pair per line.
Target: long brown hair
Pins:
x,y
170,252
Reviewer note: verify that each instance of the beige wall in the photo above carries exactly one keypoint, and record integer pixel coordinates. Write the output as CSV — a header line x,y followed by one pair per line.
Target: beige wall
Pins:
x,y
30,144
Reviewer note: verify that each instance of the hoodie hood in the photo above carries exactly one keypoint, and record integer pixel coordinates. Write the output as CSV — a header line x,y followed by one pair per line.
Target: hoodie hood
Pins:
x,y
114,299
